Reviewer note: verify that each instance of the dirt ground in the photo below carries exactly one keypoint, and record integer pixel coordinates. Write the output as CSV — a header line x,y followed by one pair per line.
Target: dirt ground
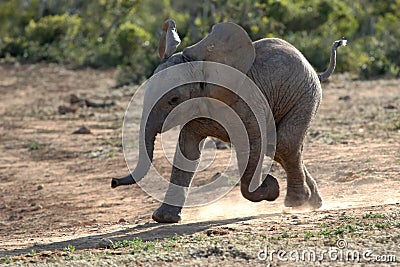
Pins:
x,y
57,207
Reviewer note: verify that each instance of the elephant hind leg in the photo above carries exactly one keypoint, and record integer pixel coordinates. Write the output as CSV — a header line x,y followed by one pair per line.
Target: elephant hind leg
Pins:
x,y
291,132
298,191
315,200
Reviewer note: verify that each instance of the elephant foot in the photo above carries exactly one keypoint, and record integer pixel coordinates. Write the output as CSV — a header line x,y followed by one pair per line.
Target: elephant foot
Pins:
x,y
272,187
296,197
268,190
315,200
167,214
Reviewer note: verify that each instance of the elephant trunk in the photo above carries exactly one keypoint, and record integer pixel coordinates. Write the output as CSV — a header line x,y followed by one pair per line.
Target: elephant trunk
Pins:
x,y
268,190
146,149
250,167
332,63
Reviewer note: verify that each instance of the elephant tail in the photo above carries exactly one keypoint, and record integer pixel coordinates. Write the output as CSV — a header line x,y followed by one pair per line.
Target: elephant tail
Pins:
x,y
332,64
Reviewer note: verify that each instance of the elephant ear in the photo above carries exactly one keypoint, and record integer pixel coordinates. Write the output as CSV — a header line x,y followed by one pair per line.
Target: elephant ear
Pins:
x,y
228,43
169,40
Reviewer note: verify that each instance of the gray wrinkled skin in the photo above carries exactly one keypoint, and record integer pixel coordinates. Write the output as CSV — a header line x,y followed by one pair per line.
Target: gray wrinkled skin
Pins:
x,y
293,91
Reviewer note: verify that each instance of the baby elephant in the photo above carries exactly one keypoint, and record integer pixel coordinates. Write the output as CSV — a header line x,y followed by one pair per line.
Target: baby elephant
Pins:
x,y
286,80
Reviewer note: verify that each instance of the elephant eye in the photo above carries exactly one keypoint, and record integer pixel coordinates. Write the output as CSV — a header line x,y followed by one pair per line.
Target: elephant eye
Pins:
x,y
173,100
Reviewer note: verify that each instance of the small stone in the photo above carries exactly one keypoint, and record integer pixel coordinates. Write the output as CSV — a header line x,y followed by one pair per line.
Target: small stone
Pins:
x,y
3,206
122,220
38,207
390,106
46,253
216,231
13,218
40,187
105,243
210,232
74,100
105,104
64,109
294,217
344,98
82,130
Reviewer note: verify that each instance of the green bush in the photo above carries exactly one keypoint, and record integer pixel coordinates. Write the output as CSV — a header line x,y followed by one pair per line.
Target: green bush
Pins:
x,y
124,33
52,29
138,54
51,38
12,47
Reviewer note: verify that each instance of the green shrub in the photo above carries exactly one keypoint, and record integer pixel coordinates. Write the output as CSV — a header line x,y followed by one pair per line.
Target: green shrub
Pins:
x,y
138,53
52,38
124,33
51,29
12,47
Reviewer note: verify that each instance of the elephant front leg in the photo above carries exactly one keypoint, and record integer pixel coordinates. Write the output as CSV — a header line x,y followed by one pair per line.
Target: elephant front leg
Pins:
x,y
250,165
186,160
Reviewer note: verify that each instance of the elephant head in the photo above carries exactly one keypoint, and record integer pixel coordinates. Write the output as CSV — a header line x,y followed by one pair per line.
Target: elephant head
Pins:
x,y
227,43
